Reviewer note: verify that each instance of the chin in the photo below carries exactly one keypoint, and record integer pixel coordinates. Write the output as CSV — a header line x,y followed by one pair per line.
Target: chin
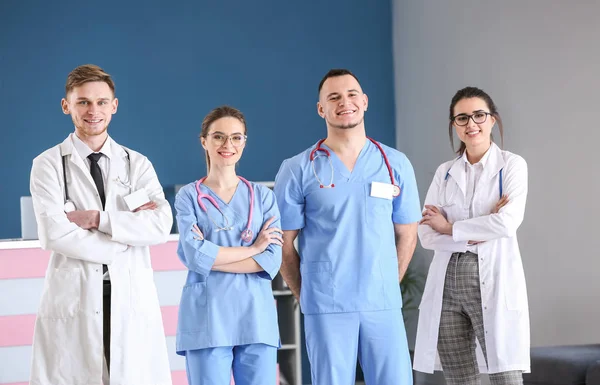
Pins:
x,y
347,126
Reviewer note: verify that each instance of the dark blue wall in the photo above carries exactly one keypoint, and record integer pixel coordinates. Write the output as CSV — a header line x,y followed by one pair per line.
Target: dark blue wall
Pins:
x,y
172,64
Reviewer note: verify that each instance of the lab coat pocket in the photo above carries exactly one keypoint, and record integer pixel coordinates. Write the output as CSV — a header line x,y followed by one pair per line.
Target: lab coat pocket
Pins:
x,y
62,294
377,209
193,312
144,298
316,292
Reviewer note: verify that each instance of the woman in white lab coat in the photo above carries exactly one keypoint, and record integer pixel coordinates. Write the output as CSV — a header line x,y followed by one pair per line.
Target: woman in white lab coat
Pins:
x,y
474,315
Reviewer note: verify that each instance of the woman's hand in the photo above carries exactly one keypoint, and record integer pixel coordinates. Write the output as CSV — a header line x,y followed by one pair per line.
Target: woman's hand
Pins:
x,y
501,203
268,235
433,217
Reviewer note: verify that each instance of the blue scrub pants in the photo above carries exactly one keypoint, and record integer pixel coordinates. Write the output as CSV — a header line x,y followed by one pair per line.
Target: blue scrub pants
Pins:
x,y
378,338
254,364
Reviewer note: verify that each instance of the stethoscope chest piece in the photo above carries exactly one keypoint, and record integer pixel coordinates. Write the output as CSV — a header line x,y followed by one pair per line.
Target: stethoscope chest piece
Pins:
x,y
396,191
247,235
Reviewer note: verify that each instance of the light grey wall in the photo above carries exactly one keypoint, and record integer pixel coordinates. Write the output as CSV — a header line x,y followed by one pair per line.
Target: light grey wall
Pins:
x,y
540,62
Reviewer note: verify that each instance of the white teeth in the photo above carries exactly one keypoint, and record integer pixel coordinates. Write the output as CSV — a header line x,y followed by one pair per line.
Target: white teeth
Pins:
x,y
94,121
346,112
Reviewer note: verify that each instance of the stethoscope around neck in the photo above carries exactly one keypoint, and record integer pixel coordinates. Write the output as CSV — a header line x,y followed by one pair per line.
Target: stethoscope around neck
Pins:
x,y
69,205
315,153
247,234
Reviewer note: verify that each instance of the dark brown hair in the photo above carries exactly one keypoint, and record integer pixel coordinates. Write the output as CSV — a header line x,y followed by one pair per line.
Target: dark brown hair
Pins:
x,y
335,73
213,116
467,93
88,73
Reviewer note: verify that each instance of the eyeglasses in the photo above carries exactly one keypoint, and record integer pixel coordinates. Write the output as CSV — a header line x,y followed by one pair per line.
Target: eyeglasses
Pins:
x,y
463,119
237,140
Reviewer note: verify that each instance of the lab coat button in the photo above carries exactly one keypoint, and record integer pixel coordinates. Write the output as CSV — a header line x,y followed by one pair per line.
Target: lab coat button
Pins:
x,y
97,312
97,270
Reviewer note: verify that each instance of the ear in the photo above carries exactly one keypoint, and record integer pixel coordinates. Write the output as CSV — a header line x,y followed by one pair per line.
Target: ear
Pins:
x,y
115,104
203,142
493,120
320,110
366,101
65,106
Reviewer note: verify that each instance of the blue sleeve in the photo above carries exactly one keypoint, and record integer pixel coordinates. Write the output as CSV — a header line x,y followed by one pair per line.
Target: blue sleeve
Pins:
x,y
197,255
407,206
289,197
270,259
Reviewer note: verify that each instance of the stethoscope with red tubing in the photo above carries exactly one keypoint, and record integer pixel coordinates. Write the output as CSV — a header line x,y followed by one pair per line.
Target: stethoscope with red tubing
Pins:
x,y
247,233
315,153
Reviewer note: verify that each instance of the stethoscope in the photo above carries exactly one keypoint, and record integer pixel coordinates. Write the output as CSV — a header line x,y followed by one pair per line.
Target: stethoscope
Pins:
x,y
247,234
315,154
69,204
448,202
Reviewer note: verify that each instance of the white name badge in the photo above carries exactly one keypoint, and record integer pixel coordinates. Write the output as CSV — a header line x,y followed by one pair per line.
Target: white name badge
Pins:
x,y
136,199
382,190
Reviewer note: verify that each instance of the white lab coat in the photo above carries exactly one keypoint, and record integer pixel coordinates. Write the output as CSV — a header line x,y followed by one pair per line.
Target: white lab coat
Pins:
x,y
67,346
502,280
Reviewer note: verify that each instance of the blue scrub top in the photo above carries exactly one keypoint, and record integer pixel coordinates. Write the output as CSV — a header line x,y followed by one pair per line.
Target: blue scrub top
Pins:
x,y
225,309
348,259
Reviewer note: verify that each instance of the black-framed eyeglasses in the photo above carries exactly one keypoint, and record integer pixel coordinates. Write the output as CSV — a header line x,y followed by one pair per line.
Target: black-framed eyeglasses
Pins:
x,y
478,118
237,140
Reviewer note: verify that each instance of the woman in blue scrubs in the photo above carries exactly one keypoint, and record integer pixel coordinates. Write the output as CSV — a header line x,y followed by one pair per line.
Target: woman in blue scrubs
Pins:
x,y
231,243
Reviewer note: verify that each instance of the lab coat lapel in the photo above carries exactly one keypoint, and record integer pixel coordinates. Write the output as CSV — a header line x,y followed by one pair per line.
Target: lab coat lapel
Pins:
x,y
458,174
75,160
494,164
117,171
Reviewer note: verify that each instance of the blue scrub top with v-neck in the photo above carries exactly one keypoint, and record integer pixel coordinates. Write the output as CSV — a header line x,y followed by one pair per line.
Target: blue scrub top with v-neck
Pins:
x,y
225,309
348,258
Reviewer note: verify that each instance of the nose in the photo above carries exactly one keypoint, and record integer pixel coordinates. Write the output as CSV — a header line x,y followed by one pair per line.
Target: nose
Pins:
x,y
471,122
343,100
92,107
227,143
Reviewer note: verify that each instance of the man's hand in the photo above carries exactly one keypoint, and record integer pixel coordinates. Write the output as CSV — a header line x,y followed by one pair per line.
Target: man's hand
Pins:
x,y
147,206
86,219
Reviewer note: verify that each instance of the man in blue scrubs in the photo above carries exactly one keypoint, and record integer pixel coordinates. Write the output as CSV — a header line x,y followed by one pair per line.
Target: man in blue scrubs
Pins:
x,y
357,224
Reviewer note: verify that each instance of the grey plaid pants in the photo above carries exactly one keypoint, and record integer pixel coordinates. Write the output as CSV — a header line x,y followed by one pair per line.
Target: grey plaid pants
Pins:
x,y
461,322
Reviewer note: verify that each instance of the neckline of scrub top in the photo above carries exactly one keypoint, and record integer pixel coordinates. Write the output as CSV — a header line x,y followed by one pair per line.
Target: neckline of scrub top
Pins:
x,y
340,167
227,208
237,187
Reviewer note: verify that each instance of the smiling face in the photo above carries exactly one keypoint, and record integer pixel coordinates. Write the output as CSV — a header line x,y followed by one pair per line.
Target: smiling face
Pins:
x,y
342,103
91,106
473,135
225,142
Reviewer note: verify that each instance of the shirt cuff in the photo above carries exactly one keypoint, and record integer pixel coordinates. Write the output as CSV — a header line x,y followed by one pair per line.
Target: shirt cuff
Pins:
x,y
104,225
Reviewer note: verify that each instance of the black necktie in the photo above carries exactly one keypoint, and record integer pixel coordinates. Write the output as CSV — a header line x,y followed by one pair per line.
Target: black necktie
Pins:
x,y
97,175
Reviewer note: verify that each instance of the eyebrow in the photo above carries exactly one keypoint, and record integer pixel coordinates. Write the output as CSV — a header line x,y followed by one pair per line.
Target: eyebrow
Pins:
x,y
475,111
337,93
82,98
222,133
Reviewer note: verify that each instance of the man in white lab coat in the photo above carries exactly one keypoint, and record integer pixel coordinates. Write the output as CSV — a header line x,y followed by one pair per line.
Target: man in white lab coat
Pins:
x,y
99,320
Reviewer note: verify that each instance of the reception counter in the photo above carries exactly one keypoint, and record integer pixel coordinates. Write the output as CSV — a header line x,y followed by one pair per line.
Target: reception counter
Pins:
x,y
22,269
